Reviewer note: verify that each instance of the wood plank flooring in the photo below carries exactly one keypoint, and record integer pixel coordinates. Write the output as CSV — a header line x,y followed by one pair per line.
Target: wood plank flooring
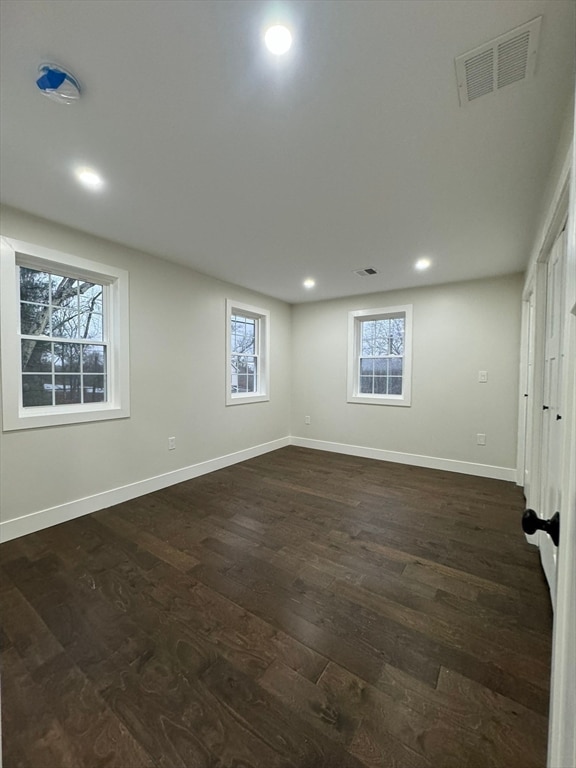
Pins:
x,y
298,610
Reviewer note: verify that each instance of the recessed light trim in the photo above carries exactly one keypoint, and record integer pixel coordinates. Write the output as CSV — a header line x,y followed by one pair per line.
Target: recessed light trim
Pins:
x,y
278,39
309,283
422,264
89,178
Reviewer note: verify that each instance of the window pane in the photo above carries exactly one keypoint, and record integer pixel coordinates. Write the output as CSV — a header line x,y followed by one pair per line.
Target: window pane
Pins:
x,y
395,364
250,384
243,334
243,364
242,382
382,337
36,356
34,286
381,366
91,297
395,385
397,336
380,385
34,319
65,292
67,389
93,358
94,389
36,390
377,337
366,367
367,334
366,385
65,323
67,357
90,326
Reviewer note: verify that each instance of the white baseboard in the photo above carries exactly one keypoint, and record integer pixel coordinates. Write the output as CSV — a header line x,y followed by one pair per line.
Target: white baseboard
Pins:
x,y
431,462
36,521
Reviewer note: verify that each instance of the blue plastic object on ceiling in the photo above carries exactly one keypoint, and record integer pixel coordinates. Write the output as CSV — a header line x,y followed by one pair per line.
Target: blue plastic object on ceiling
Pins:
x,y
58,84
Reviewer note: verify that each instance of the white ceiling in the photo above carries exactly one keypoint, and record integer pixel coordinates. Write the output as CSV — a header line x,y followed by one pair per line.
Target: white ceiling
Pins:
x,y
351,151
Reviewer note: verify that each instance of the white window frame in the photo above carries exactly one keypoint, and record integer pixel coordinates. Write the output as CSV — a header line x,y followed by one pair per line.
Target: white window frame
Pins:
x,y
355,319
262,316
16,253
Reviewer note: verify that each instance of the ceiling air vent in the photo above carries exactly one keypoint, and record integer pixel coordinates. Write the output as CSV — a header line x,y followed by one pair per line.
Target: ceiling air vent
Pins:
x,y
366,272
501,62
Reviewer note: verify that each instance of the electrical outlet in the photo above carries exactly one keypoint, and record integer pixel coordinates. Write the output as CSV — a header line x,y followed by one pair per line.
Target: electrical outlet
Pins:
x,y
483,377
171,443
306,419
480,439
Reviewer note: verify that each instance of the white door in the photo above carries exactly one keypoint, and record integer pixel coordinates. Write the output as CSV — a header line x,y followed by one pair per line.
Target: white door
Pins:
x,y
552,412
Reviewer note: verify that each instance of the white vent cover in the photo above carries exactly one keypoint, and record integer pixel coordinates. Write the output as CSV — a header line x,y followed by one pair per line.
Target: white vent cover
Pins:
x,y
366,272
504,60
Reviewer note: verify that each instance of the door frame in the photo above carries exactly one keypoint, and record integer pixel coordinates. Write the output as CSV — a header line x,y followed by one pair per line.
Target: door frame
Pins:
x,y
561,734
562,731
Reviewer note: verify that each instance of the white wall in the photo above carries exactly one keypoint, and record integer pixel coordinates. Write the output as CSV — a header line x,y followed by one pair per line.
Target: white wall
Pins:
x,y
459,329
177,337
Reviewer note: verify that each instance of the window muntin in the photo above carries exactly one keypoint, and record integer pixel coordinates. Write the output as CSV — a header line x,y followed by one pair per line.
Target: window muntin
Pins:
x,y
379,357
63,346
247,353
64,338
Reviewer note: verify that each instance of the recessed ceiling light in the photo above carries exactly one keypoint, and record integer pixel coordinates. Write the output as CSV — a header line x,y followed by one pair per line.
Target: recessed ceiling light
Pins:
x,y
309,283
89,178
423,264
278,39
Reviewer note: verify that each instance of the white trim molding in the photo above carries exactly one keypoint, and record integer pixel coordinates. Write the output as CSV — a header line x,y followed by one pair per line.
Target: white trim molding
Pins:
x,y
355,319
115,282
261,353
414,459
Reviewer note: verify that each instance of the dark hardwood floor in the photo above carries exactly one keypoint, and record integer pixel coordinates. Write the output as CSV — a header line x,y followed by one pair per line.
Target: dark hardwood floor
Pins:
x,y
299,610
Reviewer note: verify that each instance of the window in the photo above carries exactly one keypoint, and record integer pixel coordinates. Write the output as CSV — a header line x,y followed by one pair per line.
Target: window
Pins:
x,y
64,338
379,365
247,352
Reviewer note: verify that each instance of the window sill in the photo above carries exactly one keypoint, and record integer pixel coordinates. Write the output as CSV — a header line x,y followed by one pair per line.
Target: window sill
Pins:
x,y
380,400
53,416
243,399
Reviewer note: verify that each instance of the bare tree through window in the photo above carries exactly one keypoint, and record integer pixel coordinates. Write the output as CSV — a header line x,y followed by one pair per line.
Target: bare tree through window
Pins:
x,y
63,350
244,359
381,356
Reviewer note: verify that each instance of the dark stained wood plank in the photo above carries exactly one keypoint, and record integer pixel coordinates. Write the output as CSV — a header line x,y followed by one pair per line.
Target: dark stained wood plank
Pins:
x,y
160,549
25,631
523,657
97,737
278,726
177,718
519,732
312,702
28,725
365,662
440,731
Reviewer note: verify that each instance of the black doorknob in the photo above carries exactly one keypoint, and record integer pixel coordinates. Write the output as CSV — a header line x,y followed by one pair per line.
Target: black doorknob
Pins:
x,y
532,523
